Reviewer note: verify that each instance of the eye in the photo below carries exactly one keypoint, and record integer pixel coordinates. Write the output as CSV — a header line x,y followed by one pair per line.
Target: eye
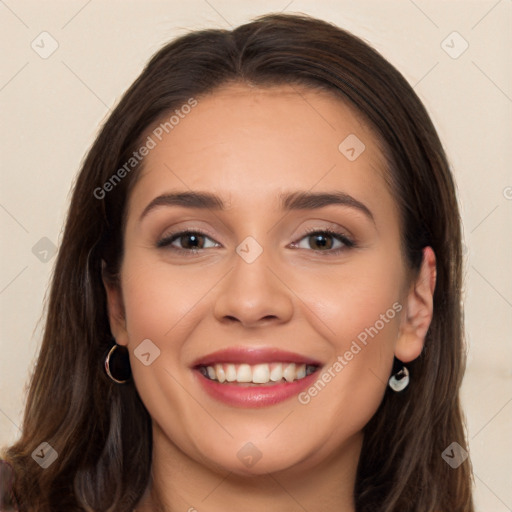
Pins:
x,y
325,240
191,241
319,240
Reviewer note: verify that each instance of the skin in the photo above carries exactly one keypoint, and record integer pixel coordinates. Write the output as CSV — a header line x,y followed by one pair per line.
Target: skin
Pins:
x,y
247,144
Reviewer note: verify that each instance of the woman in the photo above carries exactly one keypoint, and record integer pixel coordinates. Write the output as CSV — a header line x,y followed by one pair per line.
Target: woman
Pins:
x,y
256,301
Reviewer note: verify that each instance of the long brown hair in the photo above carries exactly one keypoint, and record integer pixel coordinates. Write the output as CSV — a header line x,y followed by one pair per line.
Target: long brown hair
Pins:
x,y
101,431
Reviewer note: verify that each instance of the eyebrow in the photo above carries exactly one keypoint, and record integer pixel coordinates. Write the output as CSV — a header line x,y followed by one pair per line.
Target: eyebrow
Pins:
x,y
298,200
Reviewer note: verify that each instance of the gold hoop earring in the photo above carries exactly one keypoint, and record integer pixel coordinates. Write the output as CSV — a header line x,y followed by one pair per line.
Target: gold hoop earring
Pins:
x,y
117,365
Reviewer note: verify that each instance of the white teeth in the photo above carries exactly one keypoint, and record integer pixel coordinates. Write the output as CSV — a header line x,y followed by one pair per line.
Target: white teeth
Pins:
x,y
258,373
276,373
289,372
230,372
221,374
244,373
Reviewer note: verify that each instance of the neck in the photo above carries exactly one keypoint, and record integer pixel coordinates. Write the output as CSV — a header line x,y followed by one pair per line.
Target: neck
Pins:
x,y
180,483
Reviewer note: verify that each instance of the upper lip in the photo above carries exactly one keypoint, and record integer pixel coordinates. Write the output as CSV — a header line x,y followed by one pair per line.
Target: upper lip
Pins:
x,y
249,355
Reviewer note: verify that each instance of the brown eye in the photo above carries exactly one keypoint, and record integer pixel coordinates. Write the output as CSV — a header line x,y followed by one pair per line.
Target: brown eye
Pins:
x,y
186,241
326,241
320,241
191,240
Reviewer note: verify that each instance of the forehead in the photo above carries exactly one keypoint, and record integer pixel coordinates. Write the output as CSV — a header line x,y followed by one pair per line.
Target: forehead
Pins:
x,y
245,143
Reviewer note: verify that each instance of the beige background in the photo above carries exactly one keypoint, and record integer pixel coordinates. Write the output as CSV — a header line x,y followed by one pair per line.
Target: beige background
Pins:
x,y
51,109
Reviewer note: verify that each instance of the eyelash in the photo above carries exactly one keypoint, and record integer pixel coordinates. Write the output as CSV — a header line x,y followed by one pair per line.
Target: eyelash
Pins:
x,y
346,241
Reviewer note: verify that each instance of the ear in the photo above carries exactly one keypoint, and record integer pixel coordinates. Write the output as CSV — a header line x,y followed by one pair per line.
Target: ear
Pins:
x,y
115,307
419,309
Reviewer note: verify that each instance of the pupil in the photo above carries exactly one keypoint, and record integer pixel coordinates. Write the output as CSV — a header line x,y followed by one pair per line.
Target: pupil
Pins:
x,y
318,241
194,239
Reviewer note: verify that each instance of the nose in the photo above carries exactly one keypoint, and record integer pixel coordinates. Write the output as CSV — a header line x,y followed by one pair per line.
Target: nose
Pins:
x,y
254,294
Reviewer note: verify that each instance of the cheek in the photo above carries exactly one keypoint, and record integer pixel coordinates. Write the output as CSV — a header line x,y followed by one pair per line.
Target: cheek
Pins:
x,y
162,305
158,298
351,300
358,309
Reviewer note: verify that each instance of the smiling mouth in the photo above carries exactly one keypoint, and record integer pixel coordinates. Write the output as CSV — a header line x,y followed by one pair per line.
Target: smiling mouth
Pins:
x,y
258,374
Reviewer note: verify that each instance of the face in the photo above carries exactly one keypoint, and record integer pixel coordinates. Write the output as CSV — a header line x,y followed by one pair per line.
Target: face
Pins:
x,y
262,333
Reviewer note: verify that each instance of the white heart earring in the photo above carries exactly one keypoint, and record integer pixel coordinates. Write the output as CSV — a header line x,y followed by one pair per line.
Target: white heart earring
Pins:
x,y
400,380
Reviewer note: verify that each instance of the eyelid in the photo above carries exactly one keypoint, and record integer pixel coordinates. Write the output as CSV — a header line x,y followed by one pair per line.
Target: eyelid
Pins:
x,y
337,231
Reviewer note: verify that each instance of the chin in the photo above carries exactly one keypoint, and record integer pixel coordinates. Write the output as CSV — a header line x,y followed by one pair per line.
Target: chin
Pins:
x,y
246,458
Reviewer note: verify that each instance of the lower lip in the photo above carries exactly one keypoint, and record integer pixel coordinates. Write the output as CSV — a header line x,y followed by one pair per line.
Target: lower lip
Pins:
x,y
238,395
